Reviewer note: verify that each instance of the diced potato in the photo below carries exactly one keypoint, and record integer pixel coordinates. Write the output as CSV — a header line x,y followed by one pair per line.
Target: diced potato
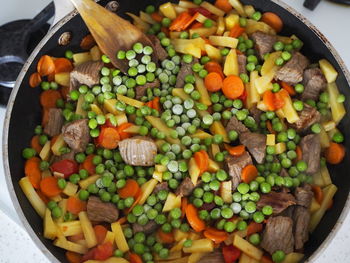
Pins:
x,y
70,246
269,67
119,237
213,52
214,149
70,189
110,238
244,258
59,143
236,4
168,10
181,44
109,106
289,111
121,118
218,128
231,20
325,176
205,98
249,10
63,205
231,64
200,245
179,235
79,110
201,18
180,9
45,152
63,79
129,101
247,248
317,179
70,228
174,35
314,206
193,50
172,201
147,18
80,58
194,236
134,129
280,147
160,168
316,217
158,176
253,94
138,22
329,125
253,26
280,113
226,191
261,106
213,166
50,228
109,260
194,171
263,83
328,70
88,230
56,198
293,258
324,139
172,255
241,233
195,257
32,196
221,41
220,26
90,180
147,189
338,109
178,246
95,53
285,40
187,4
200,134
212,9
270,139
203,31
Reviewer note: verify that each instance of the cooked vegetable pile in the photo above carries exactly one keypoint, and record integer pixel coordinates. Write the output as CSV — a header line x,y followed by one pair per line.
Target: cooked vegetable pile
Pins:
x,y
217,152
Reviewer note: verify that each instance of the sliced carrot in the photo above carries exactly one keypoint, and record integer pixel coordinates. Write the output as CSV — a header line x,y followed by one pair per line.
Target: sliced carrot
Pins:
x,y
109,138
224,5
288,88
269,127
130,189
269,100
273,21
213,66
299,153
213,82
279,100
233,87
266,259
45,117
100,232
157,17
134,258
137,198
156,104
34,80
318,193
215,235
34,143
193,219
42,196
122,220
75,205
76,237
235,150
45,65
32,171
180,22
63,65
87,42
124,135
184,203
48,98
196,25
88,165
49,186
166,238
190,21
64,92
73,257
149,104
335,153
254,227
202,160
249,173
236,31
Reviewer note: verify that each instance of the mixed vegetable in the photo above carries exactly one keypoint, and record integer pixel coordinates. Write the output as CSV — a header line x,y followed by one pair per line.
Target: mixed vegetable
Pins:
x,y
217,152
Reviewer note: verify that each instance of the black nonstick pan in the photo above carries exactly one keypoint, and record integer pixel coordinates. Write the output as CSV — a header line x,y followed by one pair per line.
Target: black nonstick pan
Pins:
x,y
24,113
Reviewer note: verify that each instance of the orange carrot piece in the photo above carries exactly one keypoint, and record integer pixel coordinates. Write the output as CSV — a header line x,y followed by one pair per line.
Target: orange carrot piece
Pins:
x,y
64,92
269,127
34,143
235,150
279,99
124,135
49,187
318,193
75,205
87,42
213,82
166,238
215,235
236,31
32,171
273,20
253,228
73,257
213,66
288,88
76,237
299,153
34,80
134,258
100,232
42,196
130,189
149,104
45,117
249,173
184,203
88,165
157,17
190,21
137,198
192,217
48,98
202,160
196,25
156,104
224,5
180,23
266,259
269,100
109,138
335,153
63,65
45,66
233,87
122,220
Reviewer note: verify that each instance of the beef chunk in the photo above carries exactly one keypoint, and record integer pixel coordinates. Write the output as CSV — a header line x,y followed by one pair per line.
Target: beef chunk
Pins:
x,y
242,63
311,149
278,201
186,69
308,116
55,123
149,228
214,257
256,113
236,125
301,218
288,212
160,187
256,144
138,151
87,73
278,235
159,50
76,134
185,188
263,42
100,211
292,71
141,90
235,164
304,195
314,82
208,206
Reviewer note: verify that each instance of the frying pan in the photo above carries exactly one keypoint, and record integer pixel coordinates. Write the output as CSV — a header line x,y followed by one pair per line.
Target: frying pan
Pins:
x,y
24,113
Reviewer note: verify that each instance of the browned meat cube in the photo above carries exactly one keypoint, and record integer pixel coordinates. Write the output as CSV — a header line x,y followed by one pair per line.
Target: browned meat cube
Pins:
x,y
256,144
235,164
236,125
279,201
307,117
263,42
185,188
314,82
100,211
87,73
292,71
55,123
304,195
149,228
301,218
311,149
141,90
76,134
158,49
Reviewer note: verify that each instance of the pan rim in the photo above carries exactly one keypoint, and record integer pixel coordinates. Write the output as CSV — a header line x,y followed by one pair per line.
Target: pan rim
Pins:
x,y
51,32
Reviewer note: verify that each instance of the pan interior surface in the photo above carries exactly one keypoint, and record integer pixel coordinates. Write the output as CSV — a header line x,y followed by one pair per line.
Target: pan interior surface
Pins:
x,y
26,114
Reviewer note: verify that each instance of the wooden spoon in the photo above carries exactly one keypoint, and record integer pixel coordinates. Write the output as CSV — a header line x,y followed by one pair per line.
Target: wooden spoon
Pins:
x,y
111,32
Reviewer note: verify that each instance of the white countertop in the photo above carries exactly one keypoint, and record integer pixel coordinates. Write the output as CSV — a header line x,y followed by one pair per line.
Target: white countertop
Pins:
x,y
333,21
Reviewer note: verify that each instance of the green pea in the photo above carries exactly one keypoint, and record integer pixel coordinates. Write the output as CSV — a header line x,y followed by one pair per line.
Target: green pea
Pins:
x,y
243,188
265,187
242,225
56,212
28,153
278,256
